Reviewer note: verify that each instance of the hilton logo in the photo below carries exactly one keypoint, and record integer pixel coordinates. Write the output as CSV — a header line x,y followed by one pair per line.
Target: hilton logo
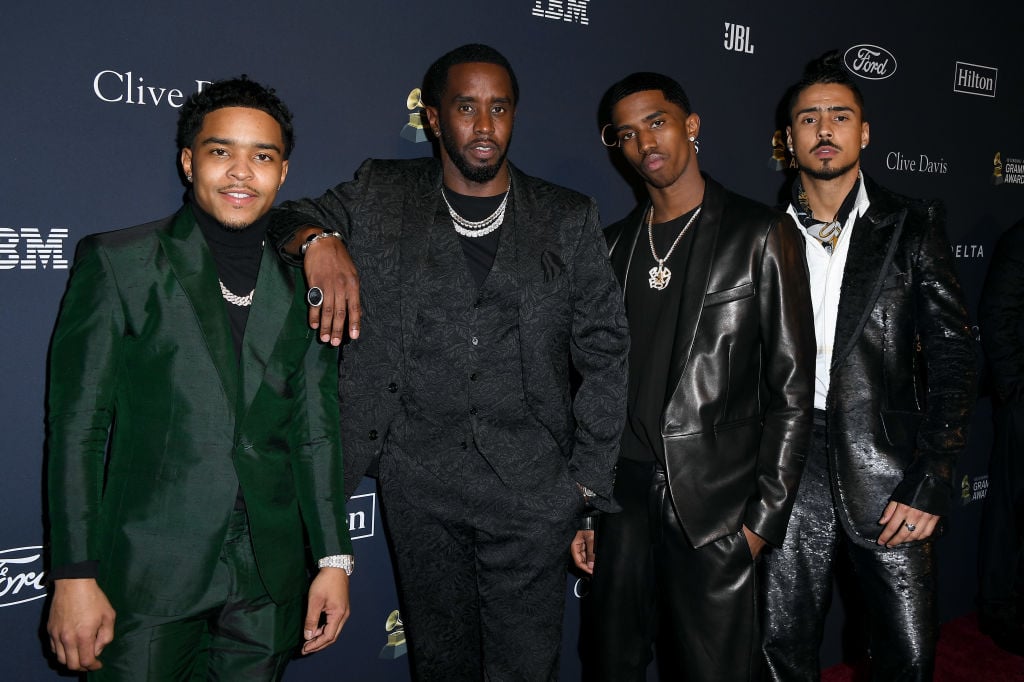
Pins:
x,y
128,88
973,79
870,61
25,248
362,508
21,575
737,38
573,11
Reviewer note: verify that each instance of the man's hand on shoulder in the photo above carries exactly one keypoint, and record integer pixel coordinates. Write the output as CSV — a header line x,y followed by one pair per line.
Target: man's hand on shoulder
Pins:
x,y
328,595
81,623
328,266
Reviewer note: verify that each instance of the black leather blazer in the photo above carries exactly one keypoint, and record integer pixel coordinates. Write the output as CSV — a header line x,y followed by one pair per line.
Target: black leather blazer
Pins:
x,y
737,417
903,373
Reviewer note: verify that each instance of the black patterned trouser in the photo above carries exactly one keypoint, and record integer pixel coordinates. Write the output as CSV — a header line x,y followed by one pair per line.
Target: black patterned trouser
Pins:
x,y
481,568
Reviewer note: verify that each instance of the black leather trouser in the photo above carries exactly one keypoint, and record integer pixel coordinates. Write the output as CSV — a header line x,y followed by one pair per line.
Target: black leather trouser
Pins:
x,y
651,584
896,588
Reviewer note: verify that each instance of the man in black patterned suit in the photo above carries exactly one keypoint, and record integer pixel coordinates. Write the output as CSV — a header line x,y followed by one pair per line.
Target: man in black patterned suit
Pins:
x,y
483,290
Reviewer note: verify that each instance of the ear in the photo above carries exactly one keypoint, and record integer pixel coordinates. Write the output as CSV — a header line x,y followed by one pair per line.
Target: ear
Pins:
x,y
693,125
433,120
284,173
789,136
865,134
186,161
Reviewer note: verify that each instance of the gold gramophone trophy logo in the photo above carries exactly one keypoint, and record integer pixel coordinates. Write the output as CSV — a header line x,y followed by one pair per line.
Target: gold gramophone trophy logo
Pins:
x,y
997,169
778,160
965,489
395,648
413,130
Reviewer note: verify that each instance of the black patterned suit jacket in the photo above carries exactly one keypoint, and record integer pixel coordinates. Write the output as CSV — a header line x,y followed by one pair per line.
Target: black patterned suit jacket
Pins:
x,y
570,312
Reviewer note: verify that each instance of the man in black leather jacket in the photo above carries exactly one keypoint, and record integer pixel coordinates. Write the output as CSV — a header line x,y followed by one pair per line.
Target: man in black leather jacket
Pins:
x,y
894,388
719,407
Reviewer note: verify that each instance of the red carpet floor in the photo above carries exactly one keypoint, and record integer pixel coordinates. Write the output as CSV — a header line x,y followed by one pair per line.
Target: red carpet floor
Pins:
x,y
964,655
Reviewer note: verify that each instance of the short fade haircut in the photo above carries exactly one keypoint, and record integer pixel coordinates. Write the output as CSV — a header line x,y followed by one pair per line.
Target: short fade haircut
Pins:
x,y
436,79
827,69
233,92
641,82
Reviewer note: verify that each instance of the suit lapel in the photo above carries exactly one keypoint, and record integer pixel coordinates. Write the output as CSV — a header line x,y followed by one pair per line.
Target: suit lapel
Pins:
x,y
418,212
275,289
624,243
698,271
876,232
195,271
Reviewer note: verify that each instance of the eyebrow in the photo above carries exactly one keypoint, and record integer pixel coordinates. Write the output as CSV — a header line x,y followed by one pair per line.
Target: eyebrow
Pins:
x,y
470,98
648,117
835,107
228,142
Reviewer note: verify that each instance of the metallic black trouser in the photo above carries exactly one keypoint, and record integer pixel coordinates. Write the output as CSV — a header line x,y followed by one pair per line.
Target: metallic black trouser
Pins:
x,y
649,583
896,587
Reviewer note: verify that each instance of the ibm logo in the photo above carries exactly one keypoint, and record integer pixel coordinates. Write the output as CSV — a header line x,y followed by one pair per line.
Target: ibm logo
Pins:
x,y
573,11
24,248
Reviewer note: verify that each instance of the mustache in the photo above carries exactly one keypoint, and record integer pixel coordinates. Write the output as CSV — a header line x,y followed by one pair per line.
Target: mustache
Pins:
x,y
826,143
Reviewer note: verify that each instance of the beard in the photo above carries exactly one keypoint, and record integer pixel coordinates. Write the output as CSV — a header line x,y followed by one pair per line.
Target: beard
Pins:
x,y
827,172
472,172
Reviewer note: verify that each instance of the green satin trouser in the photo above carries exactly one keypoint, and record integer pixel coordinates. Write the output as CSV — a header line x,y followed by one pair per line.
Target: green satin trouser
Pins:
x,y
235,632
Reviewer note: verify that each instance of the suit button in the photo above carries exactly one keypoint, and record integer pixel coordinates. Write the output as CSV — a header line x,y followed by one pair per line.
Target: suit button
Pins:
x,y
472,377
392,387
373,434
472,410
474,340
463,445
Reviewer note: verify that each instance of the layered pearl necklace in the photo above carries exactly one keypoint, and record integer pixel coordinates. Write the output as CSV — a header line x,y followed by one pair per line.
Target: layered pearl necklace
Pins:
x,y
478,228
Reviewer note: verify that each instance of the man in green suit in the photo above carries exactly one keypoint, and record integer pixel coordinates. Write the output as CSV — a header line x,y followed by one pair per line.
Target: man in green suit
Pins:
x,y
193,429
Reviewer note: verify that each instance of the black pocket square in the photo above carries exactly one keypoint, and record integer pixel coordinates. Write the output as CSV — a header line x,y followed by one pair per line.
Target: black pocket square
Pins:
x,y
553,265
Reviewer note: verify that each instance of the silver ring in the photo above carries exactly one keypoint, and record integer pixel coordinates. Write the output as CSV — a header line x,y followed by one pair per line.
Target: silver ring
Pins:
x,y
910,527
315,297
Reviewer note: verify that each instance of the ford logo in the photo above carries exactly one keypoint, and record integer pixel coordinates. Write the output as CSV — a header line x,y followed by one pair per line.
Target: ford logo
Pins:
x,y
870,61
21,575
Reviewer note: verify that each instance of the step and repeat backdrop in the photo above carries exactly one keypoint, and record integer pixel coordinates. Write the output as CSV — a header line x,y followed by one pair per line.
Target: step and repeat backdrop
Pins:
x,y
92,93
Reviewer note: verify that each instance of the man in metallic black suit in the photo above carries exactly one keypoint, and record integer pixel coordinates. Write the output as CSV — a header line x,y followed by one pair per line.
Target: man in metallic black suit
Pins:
x,y
895,385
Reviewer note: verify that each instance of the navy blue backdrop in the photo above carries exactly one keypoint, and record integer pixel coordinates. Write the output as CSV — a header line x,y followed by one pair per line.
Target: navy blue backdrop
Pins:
x,y
91,94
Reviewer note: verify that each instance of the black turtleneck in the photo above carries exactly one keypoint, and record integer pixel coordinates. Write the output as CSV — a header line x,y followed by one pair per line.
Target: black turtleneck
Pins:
x,y
237,254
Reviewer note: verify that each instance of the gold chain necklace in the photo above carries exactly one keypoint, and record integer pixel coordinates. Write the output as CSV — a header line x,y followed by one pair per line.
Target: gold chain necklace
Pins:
x,y
660,275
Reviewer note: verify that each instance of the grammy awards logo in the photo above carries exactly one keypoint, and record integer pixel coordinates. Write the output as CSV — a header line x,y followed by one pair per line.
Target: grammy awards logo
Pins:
x,y
965,489
997,169
396,647
413,130
778,160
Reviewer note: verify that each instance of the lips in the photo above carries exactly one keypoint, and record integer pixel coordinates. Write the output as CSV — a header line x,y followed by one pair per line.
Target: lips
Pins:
x,y
653,162
483,149
825,151
239,196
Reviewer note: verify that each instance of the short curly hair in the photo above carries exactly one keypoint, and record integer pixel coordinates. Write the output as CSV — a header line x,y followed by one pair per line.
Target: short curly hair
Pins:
x,y
233,92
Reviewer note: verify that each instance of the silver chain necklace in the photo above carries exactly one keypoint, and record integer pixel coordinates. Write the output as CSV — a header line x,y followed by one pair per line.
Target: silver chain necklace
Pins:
x,y
478,228
660,275
235,299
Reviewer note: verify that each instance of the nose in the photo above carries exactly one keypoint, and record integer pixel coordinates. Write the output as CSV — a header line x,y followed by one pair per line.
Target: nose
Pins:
x,y
824,129
240,169
645,141
484,123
